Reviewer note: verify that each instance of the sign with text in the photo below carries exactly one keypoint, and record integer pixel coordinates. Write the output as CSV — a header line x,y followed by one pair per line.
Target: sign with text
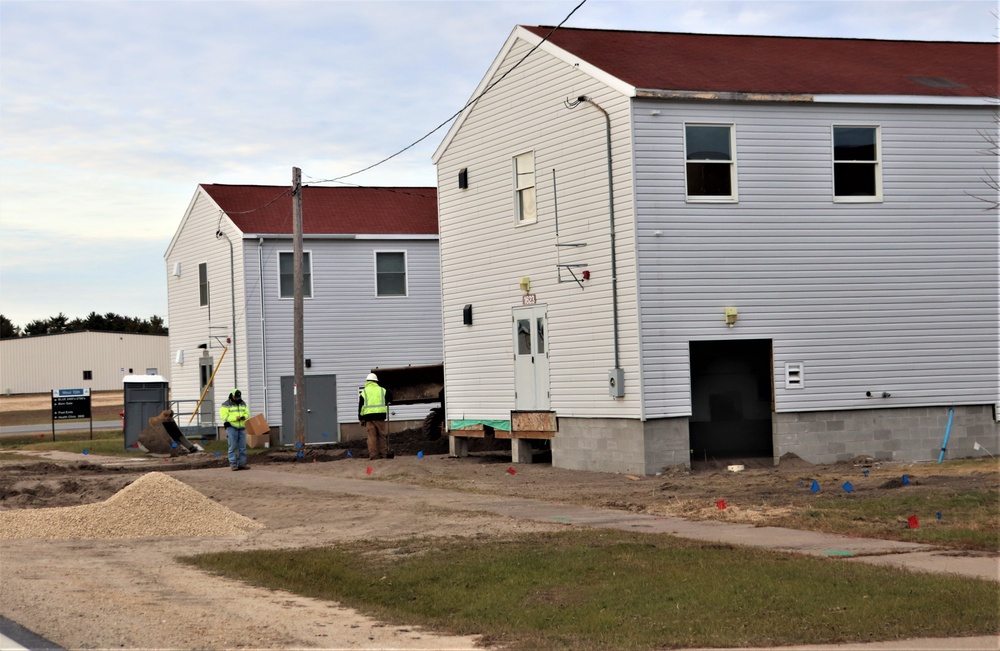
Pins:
x,y
529,299
70,404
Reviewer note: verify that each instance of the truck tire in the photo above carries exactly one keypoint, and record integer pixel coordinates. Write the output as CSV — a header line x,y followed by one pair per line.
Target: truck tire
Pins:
x,y
433,424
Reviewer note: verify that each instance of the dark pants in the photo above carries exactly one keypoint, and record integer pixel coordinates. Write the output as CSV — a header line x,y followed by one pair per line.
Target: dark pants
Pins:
x,y
378,439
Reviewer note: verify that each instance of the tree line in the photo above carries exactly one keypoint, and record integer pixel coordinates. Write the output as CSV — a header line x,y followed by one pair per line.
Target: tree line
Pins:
x,y
109,322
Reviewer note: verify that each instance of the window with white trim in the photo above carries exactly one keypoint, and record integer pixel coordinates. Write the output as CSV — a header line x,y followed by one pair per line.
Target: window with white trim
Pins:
x,y
286,274
710,162
524,188
390,273
203,284
857,169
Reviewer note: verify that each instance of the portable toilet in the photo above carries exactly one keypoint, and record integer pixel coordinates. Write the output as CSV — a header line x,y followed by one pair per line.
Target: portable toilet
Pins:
x,y
146,396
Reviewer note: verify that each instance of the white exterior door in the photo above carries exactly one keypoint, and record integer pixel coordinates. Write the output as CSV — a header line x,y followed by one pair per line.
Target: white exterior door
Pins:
x,y
531,359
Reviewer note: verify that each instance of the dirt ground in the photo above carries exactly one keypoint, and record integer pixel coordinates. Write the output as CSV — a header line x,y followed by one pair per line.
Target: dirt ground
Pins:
x,y
133,593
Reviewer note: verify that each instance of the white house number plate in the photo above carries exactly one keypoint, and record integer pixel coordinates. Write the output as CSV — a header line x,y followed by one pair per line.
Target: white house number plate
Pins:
x,y
529,299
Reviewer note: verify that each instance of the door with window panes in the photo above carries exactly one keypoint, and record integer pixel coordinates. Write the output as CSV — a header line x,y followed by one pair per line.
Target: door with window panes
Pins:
x,y
531,359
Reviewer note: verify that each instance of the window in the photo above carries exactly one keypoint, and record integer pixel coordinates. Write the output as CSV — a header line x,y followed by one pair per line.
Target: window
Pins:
x,y
856,173
710,163
524,188
286,274
203,284
88,375
390,273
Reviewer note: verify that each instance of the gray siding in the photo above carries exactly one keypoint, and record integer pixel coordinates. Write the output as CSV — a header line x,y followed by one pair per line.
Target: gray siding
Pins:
x,y
347,329
484,255
898,296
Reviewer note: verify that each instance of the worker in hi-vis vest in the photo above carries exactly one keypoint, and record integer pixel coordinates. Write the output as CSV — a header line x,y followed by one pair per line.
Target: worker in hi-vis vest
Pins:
x,y
373,412
235,413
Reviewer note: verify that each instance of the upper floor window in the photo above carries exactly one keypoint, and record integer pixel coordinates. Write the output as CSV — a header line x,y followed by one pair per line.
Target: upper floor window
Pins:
x,y
286,274
390,273
203,284
524,188
710,162
857,174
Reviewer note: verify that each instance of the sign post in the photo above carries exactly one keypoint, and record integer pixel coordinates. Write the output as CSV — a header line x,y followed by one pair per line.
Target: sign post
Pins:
x,y
71,404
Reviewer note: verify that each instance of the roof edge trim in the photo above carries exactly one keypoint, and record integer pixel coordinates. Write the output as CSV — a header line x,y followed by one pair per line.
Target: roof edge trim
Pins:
x,y
340,236
906,99
716,96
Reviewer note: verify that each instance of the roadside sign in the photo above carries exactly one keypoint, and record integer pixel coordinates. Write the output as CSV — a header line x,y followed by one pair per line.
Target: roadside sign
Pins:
x,y
71,404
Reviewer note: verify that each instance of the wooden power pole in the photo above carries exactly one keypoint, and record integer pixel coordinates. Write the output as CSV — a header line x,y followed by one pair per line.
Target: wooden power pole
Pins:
x,y
298,343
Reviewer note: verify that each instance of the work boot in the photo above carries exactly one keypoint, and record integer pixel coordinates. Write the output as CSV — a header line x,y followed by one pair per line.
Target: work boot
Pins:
x,y
390,455
234,468
243,467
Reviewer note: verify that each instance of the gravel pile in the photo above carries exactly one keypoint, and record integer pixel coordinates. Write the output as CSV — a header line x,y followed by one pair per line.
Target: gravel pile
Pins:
x,y
153,506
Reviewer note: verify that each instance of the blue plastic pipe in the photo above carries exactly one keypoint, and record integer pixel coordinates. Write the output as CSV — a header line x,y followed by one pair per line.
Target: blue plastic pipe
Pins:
x,y
947,433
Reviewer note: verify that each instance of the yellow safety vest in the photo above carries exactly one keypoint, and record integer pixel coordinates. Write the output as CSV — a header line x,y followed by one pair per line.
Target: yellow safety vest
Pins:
x,y
231,413
374,397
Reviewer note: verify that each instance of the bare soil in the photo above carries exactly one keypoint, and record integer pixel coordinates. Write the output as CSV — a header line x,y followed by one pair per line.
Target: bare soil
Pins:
x,y
133,593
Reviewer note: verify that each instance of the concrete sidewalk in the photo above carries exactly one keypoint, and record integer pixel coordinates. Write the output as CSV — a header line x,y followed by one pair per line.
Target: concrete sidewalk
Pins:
x,y
915,557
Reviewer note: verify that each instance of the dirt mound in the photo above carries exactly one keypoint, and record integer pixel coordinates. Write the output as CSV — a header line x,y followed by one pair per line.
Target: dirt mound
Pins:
x,y
790,460
153,506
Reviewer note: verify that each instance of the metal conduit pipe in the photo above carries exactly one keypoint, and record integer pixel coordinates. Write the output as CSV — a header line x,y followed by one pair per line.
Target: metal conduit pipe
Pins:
x,y
232,290
611,207
263,329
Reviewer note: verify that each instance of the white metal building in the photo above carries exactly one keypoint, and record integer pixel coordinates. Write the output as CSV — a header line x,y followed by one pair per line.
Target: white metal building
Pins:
x,y
98,361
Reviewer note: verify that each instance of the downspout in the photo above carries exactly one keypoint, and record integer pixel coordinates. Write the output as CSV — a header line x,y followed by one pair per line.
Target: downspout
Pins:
x,y
263,329
611,211
232,289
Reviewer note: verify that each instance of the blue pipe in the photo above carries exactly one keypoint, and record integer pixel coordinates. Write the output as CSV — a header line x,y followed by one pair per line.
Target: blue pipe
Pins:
x,y
947,433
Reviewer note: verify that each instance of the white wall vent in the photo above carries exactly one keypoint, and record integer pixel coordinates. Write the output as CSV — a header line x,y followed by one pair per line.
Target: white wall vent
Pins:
x,y
794,375
180,356
177,269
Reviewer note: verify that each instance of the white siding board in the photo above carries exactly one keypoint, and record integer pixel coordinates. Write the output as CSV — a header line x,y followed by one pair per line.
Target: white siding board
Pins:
x,y
899,295
483,255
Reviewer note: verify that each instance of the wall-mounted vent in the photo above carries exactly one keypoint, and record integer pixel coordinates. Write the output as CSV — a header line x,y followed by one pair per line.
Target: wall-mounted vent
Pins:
x,y
463,178
794,375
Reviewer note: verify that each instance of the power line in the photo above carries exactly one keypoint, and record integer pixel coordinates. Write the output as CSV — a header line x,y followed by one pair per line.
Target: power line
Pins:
x,y
467,105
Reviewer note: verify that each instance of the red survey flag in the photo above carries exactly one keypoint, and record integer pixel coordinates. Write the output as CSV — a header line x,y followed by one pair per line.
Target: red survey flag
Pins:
x,y
914,523
721,504
511,470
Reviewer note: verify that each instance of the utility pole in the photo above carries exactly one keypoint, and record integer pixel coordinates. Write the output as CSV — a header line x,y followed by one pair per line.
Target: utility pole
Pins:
x,y
298,343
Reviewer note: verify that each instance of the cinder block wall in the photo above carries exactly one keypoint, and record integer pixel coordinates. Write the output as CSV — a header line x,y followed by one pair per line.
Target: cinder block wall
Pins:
x,y
620,445
903,434
599,444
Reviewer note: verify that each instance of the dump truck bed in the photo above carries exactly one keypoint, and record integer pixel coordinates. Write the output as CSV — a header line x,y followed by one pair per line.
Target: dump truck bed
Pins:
x,y
411,385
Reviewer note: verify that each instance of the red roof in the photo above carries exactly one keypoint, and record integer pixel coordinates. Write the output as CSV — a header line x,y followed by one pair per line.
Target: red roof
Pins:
x,y
778,64
267,209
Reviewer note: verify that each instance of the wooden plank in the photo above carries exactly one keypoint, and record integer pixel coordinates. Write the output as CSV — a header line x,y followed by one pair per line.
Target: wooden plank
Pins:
x,y
533,421
529,435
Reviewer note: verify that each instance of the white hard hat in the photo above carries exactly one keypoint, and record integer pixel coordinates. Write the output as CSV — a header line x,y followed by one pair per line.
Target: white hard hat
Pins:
x,y
371,378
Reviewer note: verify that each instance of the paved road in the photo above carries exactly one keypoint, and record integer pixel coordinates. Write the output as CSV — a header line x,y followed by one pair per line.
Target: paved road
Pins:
x,y
61,426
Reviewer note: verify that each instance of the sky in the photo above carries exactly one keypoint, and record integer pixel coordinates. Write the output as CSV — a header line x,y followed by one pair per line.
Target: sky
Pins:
x,y
111,113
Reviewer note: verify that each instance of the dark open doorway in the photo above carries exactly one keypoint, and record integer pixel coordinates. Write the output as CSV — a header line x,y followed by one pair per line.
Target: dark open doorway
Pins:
x,y
731,399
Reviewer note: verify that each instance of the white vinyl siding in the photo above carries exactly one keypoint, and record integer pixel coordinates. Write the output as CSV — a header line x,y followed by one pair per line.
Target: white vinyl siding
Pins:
x,y
190,324
899,296
483,258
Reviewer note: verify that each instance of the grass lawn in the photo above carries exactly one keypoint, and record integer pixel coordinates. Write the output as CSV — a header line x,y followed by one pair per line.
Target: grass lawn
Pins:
x,y
614,590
